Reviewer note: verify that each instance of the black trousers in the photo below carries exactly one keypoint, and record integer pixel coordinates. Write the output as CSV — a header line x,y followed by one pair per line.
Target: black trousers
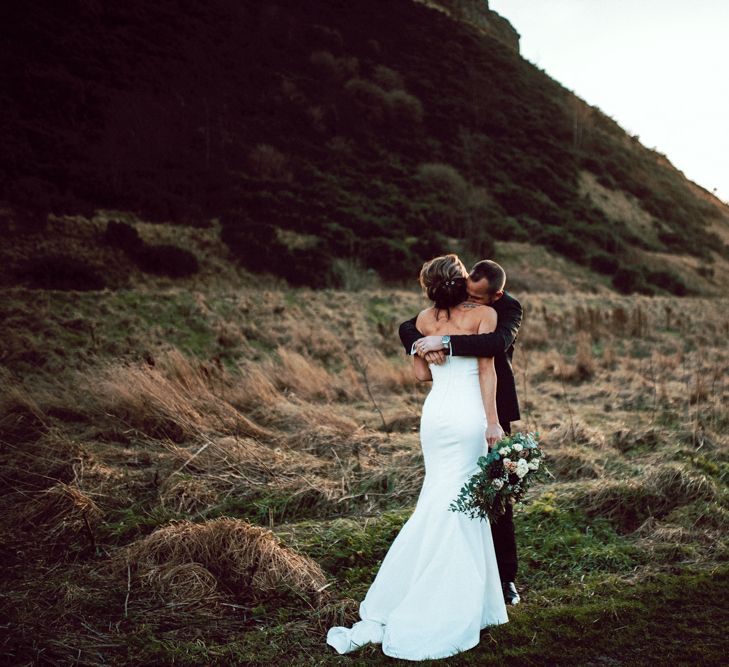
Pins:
x,y
504,536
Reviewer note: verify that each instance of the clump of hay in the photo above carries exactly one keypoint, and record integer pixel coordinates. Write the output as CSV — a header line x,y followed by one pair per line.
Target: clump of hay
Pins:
x,y
404,421
34,466
256,392
299,374
175,398
343,612
248,560
21,418
569,463
660,531
183,585
186,494
573,433
60,514
628,503
626,439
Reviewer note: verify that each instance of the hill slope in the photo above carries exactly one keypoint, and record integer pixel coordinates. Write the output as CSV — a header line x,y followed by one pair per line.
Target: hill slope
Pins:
x,y
336,139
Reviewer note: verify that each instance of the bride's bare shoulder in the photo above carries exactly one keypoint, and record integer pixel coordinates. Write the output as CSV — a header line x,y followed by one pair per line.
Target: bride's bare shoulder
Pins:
x,y
424,315
487,316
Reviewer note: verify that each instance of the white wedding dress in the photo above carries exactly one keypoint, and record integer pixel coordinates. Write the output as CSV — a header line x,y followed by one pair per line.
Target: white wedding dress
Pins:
x,y
439,583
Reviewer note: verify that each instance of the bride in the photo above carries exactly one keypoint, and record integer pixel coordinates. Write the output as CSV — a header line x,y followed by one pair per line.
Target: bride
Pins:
x,y
439,583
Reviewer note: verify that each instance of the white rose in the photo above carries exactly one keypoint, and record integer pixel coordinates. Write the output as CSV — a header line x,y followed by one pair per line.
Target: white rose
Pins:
x,y
503,451
506,460
520,472
536,463
517,447
497,483
532,465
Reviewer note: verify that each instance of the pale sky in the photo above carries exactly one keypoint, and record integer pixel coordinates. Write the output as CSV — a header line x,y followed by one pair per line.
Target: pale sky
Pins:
x,y
659,68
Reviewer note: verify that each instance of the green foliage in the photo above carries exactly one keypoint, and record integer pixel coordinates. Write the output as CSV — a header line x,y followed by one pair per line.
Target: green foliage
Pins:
x,y
312,124
167,260
61,272
123,236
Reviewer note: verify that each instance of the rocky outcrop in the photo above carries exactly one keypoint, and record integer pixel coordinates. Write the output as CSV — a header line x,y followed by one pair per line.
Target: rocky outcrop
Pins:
x,y
478,14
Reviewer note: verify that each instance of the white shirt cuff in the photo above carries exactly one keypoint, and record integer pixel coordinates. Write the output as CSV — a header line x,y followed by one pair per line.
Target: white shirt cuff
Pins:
x,y
412,348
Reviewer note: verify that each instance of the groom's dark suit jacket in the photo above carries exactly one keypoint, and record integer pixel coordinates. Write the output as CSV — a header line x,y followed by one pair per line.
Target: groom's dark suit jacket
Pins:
x,y
499,345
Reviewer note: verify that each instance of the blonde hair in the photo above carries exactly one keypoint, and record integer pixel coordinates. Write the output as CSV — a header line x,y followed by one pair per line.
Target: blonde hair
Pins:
x,y
443,280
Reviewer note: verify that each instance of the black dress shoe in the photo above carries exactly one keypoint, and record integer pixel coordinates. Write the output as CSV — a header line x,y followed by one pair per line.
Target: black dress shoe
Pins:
x,y
510,594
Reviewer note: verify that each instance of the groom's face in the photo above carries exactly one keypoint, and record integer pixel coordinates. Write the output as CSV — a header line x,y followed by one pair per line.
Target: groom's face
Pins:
x,y
478,291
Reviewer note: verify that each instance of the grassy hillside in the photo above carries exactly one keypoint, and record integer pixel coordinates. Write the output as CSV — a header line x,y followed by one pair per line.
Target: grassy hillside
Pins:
x,y
213,475
333,139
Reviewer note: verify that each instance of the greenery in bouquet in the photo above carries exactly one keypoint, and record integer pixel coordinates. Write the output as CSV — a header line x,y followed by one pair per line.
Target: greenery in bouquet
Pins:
x,y
505,475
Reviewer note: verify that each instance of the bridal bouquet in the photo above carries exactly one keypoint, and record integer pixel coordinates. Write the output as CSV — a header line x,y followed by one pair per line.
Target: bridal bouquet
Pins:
x,y
505,474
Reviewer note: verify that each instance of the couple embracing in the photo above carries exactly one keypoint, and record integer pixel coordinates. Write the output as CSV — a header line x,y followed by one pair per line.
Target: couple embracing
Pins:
x,y
447,576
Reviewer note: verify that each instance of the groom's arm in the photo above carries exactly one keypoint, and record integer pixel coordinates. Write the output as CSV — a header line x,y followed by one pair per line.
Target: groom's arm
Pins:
x,y
489,345
409,334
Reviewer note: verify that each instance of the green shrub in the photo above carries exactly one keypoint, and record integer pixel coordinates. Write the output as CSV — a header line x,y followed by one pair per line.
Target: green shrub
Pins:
x,y
365,102
167,260
603,262
255,244
393,260
628,280
669,281
61,272
404,109
123,236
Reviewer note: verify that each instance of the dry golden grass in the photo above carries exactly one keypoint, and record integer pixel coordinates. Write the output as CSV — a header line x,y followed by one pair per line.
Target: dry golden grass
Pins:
x,y
60,515
176,398
629,502
264,418
21,418
246,559
183,585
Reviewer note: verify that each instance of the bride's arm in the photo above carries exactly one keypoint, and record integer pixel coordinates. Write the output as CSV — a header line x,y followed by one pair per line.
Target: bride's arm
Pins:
x,y
487,380
422,370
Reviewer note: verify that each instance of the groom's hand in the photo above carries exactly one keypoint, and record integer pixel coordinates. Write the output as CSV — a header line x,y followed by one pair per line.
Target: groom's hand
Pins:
x,y
494,433
435,357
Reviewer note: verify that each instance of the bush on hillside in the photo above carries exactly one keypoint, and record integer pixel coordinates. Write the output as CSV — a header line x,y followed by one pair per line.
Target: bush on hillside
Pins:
x,y
392,259
310,267
332,68
430,244
269,163
628,280
123,236
404,110
603,262
364,102
255,244
669,281
387,78
443,180
167,260
61,272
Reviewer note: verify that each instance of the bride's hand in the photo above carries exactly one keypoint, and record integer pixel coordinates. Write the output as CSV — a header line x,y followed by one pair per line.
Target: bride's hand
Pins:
x,y
494,433
437,358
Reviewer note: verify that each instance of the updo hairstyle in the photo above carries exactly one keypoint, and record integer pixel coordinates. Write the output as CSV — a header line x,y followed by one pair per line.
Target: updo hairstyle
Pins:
x,y
443,280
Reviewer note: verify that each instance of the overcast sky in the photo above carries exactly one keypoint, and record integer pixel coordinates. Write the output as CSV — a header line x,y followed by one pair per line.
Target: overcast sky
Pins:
x,y
660,68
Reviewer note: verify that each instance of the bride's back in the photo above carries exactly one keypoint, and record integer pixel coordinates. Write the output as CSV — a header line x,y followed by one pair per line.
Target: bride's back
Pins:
x,y
465,318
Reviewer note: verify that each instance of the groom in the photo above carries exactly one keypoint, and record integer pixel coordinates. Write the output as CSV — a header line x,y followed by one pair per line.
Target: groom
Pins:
x,y
485,284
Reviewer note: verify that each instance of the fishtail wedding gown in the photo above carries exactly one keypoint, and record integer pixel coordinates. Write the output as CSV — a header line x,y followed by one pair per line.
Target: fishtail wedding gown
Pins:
x,y
438,584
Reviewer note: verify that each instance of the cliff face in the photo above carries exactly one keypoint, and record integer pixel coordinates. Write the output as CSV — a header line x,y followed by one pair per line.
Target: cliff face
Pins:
x,y
478,14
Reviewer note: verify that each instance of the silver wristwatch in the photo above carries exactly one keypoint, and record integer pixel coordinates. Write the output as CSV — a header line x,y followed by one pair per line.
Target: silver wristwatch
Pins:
x,y
446,341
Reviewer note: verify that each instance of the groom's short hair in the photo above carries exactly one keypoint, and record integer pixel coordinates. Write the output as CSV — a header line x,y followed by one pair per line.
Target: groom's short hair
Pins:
x,y
490,270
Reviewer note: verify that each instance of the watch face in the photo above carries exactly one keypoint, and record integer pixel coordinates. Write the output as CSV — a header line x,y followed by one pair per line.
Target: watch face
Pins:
x,y
445,340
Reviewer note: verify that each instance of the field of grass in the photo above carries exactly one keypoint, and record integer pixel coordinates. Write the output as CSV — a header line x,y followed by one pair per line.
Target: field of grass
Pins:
x,y
213,475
